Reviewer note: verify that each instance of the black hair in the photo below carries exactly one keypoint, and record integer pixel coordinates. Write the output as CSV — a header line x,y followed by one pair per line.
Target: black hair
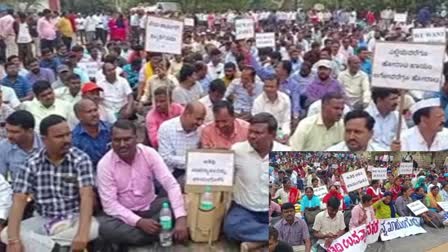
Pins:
x,y
273,233
41,86
217,85
314,179
276,55
334,203
374,181
287,206
163,90
186,71
10,58
31,60
309,187
48,122
366,198
417,116
330,96
8,64
223,105
267,118
356,114
77,48
125,125
21,118
230,65
287,66
381,93
74,77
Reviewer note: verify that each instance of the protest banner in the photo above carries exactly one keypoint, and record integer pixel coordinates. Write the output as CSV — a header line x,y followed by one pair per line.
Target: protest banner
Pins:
x,y
357,239
212,168
443,205
401,17
320,191
189,22
164,35
355,179
417,207
429,35
400,227
265,39
244,28
405,168
379,173
408,66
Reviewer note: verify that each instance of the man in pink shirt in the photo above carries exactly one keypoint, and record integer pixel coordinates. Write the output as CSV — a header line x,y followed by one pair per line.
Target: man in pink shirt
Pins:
x,y
47,31
163,110
226,130
125,178
7,33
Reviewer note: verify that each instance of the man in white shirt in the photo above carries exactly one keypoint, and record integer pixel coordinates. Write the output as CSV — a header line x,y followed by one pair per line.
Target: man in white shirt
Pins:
x,y
216,92
81,27
215,66
72,92
247,219
9,97
346,50
117,93
277,104
358,133
329,224
356,84
90,25
135,25
429,133
7,32
384,110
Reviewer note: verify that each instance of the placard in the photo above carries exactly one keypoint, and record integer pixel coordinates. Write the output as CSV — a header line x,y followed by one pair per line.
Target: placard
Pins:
x,y
213,168
369,168
189,22
400,227
244,28
355,179
320,191
405,168
417,207
316,164
408,66
443,205
266,39
401,17
357,239
429,35
163,35
379,173
91,68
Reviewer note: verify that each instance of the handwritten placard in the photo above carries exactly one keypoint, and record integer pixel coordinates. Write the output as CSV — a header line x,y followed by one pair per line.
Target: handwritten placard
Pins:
x,y
400,227
417,207
379,173
357,239
355,179
443,205
401,17
244,28
408,66
210,168
164,35
405,168
189,22
429,35
320,191
265,39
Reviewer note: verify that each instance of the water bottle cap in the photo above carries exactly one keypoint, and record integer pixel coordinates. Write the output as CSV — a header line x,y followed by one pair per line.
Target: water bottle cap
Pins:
x,y
165,205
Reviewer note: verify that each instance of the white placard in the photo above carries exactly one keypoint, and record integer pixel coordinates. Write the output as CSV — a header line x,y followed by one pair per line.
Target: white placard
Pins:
x,y
379,173
400,227
417,207
164,35
401,17
316,164
355,179
429,35
189,22
369,168
443,205
266,39
91,68
320,191
210,168
408,66
244,28
406,168
345,243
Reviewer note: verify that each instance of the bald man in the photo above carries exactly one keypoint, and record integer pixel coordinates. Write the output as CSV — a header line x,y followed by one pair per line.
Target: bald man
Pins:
x,y
356,84
91,135
180,134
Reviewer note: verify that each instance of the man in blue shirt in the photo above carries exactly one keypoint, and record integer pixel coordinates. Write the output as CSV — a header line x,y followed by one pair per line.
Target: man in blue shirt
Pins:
x,y
49,61
21,143
19,83
366,63
91,135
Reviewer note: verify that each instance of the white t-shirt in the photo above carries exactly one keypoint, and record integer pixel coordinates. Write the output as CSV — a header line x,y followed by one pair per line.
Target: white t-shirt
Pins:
x,y
9,97
115,95
24,36
80,23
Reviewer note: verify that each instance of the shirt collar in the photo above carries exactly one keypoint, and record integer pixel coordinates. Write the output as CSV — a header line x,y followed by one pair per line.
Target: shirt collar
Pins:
x,y
267,100
37,142
102,127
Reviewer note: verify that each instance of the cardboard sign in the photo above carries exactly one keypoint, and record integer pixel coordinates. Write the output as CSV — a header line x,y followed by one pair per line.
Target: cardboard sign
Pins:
x,y
405,168
213,168
400,227
379,173
401,17
429,35
244,28
408,66
417,207
266,39
164,35
320,191
355,179
189,22
443,205
91,68
357,239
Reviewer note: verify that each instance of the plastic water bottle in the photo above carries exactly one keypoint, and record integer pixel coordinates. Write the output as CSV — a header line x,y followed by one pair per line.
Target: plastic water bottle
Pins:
x,y
280,134
206,200
166,222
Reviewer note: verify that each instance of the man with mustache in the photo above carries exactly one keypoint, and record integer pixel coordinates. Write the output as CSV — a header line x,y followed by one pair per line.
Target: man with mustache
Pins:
x,y
20,84
358,133
37,73
429,133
